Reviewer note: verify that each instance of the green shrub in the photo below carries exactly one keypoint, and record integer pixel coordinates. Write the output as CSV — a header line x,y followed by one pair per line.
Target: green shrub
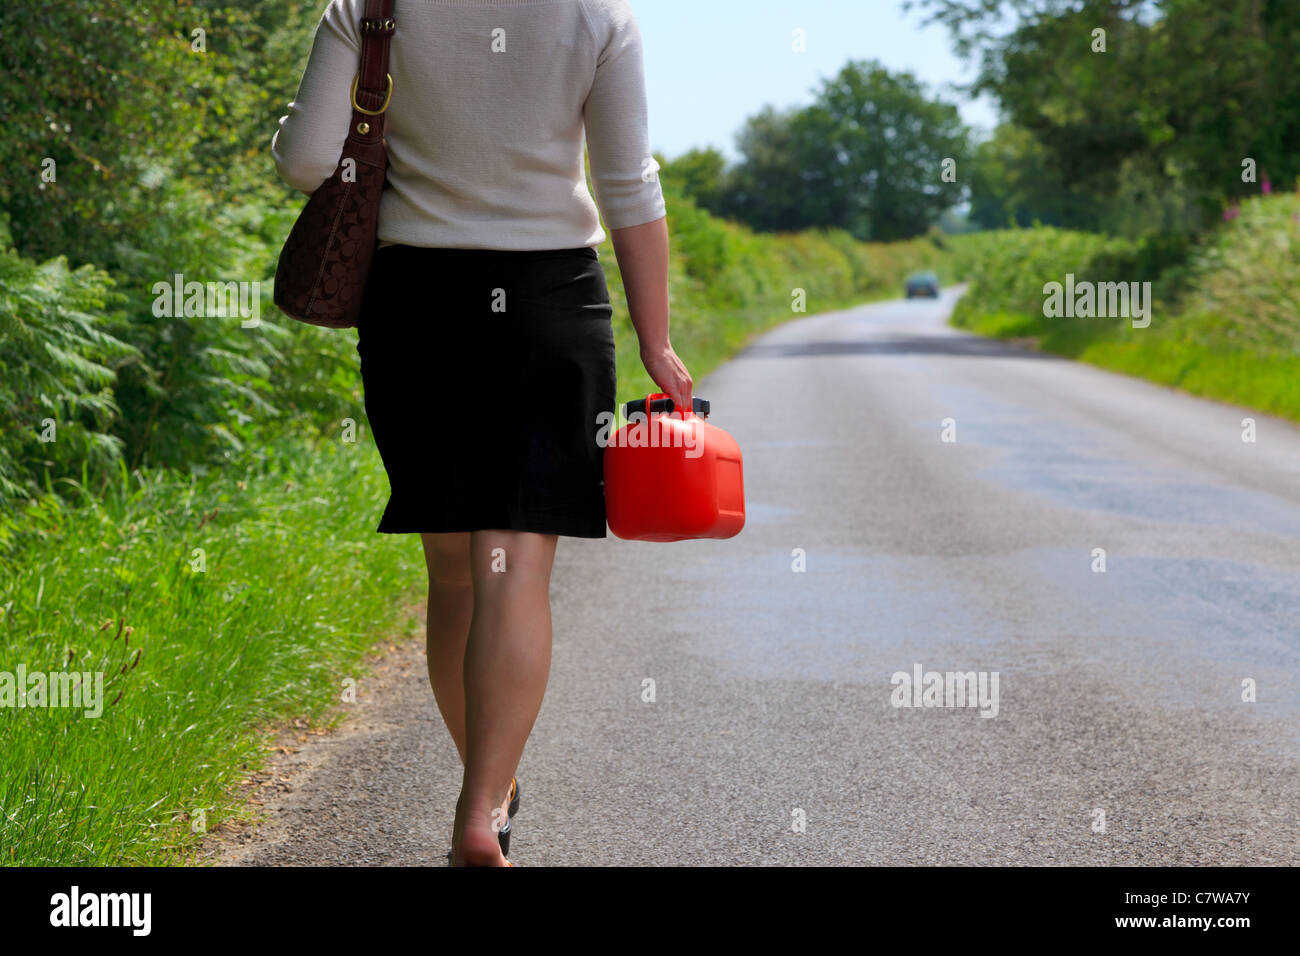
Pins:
x,y
1244,281
1008,268
57,407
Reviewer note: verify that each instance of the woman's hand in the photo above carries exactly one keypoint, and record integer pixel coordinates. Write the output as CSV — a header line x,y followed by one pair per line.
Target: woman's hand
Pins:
x,y
669,373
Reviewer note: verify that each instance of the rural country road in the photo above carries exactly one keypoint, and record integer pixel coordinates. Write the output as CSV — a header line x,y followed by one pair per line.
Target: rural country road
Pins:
x,y
1121,735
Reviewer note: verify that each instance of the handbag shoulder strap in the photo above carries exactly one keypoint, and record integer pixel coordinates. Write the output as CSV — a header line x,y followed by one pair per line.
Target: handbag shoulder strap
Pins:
x,y
373,87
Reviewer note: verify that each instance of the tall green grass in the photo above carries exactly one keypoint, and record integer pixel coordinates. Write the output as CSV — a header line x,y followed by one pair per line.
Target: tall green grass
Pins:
x,y
196,664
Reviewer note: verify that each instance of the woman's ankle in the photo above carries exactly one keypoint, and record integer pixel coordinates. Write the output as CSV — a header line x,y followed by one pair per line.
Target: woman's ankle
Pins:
x,y
477,824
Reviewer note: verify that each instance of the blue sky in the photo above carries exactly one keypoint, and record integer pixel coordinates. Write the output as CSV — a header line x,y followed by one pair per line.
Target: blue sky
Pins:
x,y
712,63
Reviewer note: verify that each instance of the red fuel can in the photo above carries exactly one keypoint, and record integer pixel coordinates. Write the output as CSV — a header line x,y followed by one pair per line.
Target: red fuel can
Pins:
x,y
672,475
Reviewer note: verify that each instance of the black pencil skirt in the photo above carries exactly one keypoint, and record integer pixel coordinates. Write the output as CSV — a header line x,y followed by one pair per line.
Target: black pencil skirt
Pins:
x,y
485,374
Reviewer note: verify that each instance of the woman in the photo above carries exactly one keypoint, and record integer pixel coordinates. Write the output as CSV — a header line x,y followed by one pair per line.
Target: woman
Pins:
x,y
485,338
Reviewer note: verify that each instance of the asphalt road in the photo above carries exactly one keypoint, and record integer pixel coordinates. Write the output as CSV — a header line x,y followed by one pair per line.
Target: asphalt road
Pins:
x,y
1119,693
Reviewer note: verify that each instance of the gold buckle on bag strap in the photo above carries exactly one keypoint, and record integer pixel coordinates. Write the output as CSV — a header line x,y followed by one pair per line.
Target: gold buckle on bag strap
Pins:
x,y
388,97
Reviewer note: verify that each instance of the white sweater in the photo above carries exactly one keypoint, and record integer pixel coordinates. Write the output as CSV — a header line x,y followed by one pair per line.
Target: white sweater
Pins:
x,y
492,103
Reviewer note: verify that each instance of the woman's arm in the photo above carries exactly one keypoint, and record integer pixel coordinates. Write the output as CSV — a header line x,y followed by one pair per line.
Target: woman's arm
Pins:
x,y
642,253
307,146
628,193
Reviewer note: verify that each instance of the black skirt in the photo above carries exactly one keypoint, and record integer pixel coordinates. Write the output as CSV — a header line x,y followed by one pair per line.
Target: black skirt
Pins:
x,y
485,375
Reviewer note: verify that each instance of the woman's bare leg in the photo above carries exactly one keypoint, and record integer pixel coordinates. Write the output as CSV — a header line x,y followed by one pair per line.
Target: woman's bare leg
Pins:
x,y
451,607
507,663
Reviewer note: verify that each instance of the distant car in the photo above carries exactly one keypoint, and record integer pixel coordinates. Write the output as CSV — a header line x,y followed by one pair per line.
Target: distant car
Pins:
x,y
923,283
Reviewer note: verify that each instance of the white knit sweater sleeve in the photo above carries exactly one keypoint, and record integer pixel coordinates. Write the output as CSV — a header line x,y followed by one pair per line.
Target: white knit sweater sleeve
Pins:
x,y
307,146
623,171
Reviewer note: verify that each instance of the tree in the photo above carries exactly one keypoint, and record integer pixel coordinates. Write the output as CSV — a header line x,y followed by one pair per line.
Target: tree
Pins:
x,y
891,142
867,156
784,181
1013,182
1155,125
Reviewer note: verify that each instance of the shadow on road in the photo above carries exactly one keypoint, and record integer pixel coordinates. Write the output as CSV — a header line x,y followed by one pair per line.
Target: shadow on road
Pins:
x,y
956,345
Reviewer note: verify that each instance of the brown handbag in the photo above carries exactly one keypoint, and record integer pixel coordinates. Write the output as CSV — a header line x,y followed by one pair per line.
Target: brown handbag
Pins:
x,y
321,275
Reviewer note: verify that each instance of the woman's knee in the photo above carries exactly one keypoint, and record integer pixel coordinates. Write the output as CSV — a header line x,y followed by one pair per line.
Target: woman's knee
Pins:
x,y
447,557
500,558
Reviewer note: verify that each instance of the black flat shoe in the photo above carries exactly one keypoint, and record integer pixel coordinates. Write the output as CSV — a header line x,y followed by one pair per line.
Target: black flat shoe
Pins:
x,y
503,835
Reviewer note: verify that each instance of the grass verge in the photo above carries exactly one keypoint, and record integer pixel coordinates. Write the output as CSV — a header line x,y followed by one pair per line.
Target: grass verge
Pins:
x,y
212,609
1225,321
